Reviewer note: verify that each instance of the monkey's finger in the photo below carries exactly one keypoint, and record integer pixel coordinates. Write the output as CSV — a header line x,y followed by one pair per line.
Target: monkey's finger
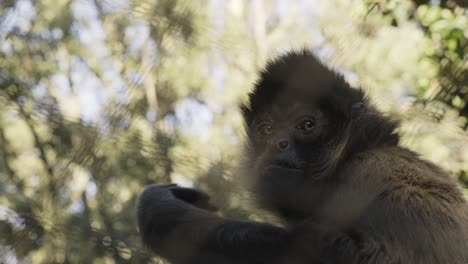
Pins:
x,y
155,192
189,195
206,206
167,185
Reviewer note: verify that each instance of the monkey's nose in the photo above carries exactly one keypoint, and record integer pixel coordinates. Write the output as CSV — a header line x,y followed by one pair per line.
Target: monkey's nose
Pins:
x,y
283,144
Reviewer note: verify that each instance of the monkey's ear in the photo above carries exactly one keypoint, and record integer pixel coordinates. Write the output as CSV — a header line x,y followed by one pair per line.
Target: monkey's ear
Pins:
x,y
344,101
247,114
357,107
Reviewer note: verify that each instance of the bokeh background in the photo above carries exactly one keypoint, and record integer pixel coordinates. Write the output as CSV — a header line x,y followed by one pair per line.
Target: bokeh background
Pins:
x,y
99,98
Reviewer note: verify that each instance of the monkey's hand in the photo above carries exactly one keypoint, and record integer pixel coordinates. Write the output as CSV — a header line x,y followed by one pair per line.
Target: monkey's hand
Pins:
x,y
172,195
194,197
176,223
162,208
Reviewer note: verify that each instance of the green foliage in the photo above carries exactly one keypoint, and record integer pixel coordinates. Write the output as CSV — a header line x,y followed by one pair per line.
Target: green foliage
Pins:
x,y
446,29
100,98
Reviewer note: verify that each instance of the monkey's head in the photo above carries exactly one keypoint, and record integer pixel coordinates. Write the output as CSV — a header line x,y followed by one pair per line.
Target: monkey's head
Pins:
x,y
297,121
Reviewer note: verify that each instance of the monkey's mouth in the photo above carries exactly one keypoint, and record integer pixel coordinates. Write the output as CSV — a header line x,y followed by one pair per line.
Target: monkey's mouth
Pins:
x,y
287,164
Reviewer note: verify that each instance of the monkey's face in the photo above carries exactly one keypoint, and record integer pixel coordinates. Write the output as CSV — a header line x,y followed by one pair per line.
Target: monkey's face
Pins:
x,y
297,121
285,139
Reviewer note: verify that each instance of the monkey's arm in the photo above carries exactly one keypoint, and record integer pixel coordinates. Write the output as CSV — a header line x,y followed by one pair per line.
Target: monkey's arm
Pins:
x,y
321,244
183,233
390,232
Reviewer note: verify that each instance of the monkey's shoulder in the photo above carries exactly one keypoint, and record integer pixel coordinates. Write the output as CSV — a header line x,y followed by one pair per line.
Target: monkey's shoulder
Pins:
x,y
400,175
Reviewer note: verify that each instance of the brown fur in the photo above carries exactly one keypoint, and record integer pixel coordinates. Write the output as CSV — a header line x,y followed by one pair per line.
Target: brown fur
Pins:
x,y
346,190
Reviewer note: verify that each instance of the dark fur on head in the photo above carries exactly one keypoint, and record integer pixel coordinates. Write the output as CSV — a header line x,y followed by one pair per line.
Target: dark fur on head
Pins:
x,y
349,108
353,125
304,68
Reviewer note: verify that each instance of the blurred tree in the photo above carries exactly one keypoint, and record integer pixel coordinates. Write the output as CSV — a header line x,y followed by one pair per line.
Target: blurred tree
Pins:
x,y
445,25
70,172
100,98
386,47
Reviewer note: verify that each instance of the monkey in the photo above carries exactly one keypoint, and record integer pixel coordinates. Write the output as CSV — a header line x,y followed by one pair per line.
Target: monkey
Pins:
x,y
330,165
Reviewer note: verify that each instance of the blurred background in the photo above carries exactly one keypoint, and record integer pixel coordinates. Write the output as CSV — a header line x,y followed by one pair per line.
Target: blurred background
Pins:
x,y
99,98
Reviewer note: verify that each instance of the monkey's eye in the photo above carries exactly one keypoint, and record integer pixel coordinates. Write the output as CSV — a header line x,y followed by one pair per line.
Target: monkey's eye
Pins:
x,y
306,125
265,128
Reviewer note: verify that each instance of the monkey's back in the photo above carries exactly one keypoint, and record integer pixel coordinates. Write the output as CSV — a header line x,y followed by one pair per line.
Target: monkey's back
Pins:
x,y
422,204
